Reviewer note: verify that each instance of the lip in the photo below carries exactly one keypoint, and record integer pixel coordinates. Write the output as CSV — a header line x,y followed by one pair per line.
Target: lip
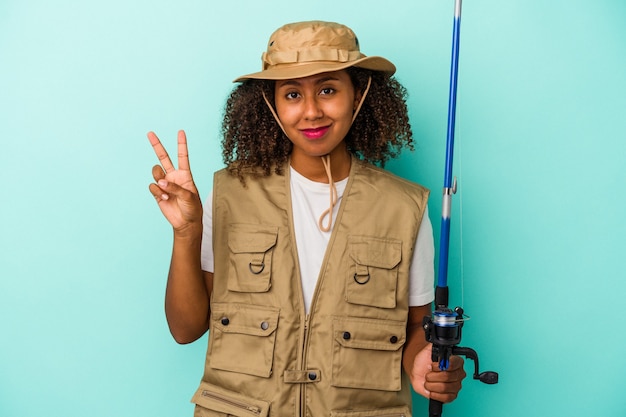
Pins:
x,y
315,133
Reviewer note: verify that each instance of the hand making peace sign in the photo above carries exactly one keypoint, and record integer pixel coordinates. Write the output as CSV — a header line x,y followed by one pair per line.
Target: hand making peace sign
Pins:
x,y
175,190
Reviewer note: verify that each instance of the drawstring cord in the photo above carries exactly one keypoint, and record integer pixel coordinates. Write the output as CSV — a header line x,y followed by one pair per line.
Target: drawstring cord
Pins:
x,y
273,112
325,160
333,197
356,111
331,183
358,108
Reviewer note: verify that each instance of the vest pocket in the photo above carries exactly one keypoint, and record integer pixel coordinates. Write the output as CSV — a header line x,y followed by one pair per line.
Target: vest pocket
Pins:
x,y
402,411
373,277
367,353
251,250
242,338
214,401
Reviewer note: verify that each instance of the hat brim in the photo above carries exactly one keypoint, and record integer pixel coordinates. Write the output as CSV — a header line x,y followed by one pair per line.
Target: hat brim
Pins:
x,y
306,69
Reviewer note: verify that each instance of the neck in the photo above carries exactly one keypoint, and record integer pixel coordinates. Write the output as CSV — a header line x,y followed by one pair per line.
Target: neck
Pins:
x,y
312,167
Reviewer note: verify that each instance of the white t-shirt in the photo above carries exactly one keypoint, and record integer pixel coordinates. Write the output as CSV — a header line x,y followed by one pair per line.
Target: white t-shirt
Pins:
x,y
310,199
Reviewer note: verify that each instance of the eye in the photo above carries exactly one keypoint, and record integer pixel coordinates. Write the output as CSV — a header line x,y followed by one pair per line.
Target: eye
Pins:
x,y
292,95
327,91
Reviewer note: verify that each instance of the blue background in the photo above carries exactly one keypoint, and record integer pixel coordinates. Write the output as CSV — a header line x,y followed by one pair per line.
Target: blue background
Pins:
x,y
537,227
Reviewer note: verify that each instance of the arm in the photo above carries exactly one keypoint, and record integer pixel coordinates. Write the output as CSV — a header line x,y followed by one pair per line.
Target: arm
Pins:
x,y
426,378
188,291
188,287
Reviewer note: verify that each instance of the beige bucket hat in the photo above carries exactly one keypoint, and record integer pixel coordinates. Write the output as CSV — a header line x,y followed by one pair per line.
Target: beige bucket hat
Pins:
x,y
302,49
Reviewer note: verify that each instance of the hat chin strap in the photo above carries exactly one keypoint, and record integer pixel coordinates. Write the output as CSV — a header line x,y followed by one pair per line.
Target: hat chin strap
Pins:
x,y
333,197
356,111
273,113
358,108
325,160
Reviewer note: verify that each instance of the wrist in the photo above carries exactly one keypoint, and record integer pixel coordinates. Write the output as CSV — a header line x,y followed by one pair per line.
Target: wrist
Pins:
x,y
191,232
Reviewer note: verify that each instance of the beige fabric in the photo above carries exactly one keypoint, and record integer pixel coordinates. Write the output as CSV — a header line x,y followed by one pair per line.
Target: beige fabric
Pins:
x,y
265,355
302,49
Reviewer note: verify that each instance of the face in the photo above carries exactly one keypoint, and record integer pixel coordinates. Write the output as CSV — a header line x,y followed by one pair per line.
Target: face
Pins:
x,y
316,113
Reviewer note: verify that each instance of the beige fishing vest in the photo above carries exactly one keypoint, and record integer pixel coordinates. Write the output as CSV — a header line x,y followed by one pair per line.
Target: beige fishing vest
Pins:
x,y
266,357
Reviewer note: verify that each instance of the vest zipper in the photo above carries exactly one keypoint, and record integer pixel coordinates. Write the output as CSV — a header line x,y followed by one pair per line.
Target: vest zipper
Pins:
x,y
306,328
251,408
304,361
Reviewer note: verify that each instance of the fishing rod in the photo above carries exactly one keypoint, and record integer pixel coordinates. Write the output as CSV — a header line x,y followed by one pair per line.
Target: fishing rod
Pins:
x,y
443,328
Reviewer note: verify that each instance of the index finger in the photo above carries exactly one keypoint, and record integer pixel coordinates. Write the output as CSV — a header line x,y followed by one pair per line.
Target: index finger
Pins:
x,y
183,152
160,152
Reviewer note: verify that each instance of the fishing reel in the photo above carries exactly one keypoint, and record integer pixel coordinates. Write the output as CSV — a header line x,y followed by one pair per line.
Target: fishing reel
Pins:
x,y
444,330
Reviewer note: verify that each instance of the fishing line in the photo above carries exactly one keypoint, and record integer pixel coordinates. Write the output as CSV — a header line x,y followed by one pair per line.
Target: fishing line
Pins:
x,y
461,255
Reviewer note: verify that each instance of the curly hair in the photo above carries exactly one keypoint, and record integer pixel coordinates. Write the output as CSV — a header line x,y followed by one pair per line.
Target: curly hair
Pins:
x,y
254,144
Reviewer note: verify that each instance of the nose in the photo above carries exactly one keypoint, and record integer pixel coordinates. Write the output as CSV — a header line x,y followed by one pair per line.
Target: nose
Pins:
x,y
312,109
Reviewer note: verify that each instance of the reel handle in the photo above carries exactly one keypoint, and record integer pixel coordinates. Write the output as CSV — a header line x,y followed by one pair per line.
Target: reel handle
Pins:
x,y
443,330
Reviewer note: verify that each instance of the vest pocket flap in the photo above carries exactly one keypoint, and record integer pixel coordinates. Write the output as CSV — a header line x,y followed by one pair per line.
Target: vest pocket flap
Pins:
x,y
214,398
375,252
251,238
371,334
244,319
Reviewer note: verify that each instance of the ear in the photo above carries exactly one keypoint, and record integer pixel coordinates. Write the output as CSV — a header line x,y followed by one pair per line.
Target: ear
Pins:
x,y
357,99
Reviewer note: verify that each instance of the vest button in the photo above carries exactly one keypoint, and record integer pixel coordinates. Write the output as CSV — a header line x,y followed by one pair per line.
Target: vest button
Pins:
x,y
347,335
312,376
393,339
265,325
225,321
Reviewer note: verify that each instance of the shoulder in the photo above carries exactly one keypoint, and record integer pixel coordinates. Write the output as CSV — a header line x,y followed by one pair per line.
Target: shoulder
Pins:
x,y
383,178
243,179
253,186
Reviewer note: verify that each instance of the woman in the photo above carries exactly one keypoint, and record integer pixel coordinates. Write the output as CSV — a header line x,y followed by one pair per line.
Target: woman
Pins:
x,y
313,270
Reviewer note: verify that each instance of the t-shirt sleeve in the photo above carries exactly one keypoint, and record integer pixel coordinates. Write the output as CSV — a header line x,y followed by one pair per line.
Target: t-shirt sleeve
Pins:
x,y
422,271
206,251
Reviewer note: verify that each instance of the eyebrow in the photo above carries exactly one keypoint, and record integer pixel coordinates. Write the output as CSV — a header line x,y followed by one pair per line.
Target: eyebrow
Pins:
x,y
295,82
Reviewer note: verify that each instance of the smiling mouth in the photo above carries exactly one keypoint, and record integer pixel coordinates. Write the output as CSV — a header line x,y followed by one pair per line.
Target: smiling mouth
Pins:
x,y
315,133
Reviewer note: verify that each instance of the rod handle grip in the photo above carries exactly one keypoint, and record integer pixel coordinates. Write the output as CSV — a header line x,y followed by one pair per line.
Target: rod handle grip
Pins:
x,y
435,408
